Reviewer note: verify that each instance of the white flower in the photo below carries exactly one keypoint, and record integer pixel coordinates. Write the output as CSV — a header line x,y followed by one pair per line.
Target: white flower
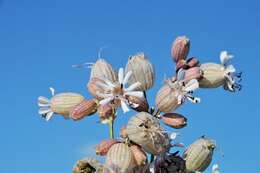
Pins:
x,y
232,78
186,91
44,104
116,92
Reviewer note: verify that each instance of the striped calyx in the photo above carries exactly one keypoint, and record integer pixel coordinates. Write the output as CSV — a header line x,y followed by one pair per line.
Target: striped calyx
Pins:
x,y
199,155
85,108
142,71
120,157
103,70
174,120
180,48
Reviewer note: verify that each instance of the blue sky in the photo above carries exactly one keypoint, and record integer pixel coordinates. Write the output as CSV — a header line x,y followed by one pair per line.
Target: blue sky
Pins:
x,y
40,40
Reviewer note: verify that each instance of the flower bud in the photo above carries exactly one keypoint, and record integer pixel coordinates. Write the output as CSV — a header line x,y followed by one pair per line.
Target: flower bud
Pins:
x,y
192,62
142,71
174,120
181,64
166,99
103,147
213,75
180,48
142,104
123,133
94,87
192,73
139,155
103,70
85,108
106,112
87,165
199,155
120,156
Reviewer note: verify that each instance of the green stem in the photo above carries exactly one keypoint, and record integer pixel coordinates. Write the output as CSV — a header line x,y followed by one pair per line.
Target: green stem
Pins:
x,y
111,128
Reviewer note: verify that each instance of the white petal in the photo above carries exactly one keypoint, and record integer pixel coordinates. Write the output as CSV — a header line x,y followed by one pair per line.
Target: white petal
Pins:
x,y
43,100
215,169
193,99
230,69
52,91
191,85
224,57
124,106
229,84
43,104
44,111
121,75
106,100
127,76
133,86
48,116
135,93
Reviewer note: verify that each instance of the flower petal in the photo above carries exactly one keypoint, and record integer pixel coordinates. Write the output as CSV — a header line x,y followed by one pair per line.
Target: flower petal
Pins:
x,y
43,100
191,85
106,100
44,110
133,86
48,116
230,69
126,78
124,106
43,104
193,99
52,91
215,169
121,75
139,94
224,57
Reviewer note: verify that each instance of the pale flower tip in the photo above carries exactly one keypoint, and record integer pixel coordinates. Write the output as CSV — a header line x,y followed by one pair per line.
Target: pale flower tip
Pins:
x,y
197,100
121,75
173,136
52,91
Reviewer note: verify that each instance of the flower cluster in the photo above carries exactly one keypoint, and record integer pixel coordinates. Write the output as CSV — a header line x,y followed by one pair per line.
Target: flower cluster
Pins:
x,y
144,145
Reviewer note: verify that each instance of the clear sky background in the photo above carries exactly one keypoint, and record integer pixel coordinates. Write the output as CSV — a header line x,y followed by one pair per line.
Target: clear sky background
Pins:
x,y
40,40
